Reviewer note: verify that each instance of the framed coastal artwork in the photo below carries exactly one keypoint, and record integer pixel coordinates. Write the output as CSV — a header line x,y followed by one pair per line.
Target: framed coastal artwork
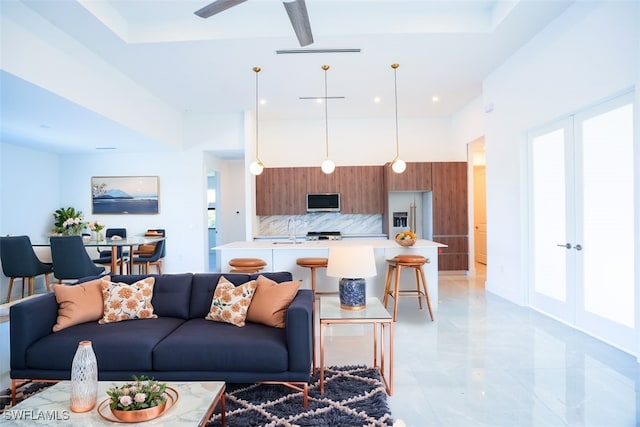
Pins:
x,y
125,194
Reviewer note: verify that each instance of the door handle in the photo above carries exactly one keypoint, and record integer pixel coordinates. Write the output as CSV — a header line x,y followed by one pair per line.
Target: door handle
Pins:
x,y
577,247
565,245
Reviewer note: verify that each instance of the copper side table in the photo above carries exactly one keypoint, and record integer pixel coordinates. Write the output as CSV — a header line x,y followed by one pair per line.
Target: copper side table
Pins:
x,y
375,314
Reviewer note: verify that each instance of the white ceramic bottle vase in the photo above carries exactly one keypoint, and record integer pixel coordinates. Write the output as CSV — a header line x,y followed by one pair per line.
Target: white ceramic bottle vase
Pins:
x,y
84,378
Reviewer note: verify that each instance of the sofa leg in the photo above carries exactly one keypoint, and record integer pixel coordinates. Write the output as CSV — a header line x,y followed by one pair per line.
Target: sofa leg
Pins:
x,y
298,386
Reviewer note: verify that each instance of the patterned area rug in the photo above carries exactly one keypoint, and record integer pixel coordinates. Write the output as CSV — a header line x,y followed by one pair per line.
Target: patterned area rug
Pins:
x,y
353,396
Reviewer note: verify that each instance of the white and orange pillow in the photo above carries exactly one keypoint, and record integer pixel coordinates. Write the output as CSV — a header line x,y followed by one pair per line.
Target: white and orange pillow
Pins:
x,y
122,301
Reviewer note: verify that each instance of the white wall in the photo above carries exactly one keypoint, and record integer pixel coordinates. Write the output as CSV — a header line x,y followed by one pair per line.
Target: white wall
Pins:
x,y
587,54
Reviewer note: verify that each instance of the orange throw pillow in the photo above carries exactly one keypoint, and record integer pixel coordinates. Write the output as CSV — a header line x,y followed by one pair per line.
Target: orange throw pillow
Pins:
x,y
271,301
78,303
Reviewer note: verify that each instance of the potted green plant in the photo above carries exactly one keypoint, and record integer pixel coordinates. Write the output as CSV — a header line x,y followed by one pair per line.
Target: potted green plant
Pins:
x,y
68,222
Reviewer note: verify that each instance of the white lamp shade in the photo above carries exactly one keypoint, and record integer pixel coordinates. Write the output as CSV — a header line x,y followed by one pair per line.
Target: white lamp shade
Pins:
x,y
328,166
351,262
398,166
256,167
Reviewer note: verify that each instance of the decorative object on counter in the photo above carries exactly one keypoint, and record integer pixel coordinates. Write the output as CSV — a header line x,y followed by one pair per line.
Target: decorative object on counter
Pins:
x,y
68,222
141,400
256,167
96,227
352,264
398,165
84,378
327,165
406,238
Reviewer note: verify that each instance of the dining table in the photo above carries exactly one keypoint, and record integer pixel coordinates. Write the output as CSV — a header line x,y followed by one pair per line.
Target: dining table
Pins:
x,y
114,244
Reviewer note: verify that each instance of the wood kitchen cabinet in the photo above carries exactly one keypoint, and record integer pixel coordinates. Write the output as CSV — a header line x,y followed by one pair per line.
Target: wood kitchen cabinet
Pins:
x,y
282,191
450,214
360,189
417,177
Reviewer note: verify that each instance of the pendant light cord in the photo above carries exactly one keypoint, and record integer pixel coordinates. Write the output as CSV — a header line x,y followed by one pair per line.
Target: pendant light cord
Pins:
x,y
257,70
326,113
395,88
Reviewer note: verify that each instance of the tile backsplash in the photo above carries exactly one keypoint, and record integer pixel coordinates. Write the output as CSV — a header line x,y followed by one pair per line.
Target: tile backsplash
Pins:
x,y
277,225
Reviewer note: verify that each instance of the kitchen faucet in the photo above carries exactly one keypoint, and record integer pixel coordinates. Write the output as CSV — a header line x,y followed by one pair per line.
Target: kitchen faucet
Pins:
x,y
291,224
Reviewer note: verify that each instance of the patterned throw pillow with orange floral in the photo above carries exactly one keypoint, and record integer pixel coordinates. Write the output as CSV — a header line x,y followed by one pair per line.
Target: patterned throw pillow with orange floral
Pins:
x,y
230,302
124,302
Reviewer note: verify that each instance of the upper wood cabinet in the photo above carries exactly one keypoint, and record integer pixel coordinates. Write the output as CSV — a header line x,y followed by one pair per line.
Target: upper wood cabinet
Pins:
x,y
417,177
361,189
282,191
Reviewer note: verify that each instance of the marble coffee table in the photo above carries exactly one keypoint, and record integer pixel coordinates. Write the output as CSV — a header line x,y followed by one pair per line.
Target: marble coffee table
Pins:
x,y
194,407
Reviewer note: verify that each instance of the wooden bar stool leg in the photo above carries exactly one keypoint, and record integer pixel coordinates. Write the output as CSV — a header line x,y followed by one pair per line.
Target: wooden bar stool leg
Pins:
x,y
418,291
396,291
31,286
313,279
426,292
387,285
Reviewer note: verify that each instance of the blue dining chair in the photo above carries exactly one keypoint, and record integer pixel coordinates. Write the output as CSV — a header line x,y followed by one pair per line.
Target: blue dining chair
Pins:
x,y
71,260
105,255
19,260
155,258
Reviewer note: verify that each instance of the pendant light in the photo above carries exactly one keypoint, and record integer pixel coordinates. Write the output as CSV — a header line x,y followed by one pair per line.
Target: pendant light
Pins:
x,y
256,167
398,165
327,165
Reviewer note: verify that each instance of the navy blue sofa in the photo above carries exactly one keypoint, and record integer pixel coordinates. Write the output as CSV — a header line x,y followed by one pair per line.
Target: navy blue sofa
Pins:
x,y
180,345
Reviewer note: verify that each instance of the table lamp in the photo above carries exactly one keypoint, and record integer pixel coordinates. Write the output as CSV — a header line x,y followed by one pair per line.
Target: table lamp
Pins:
x,y
352,264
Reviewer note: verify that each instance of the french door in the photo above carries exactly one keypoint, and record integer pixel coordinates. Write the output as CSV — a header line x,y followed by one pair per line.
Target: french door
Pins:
x,y
581,206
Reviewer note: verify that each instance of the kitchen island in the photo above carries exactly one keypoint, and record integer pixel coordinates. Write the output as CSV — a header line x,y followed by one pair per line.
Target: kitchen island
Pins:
x,y
281,255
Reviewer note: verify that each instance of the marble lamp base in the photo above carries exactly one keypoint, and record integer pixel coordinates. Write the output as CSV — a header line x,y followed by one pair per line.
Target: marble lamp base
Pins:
x,y
353,293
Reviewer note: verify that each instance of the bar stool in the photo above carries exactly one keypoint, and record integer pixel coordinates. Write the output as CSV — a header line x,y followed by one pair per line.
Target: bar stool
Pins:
x,y
313,264
396,264
246,265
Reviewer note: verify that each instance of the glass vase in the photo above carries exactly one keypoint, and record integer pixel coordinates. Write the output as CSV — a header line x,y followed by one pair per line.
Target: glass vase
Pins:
x,y
84,378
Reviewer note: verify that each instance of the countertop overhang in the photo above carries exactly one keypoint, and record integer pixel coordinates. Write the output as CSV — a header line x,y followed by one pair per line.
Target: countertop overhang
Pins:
x,y
319,244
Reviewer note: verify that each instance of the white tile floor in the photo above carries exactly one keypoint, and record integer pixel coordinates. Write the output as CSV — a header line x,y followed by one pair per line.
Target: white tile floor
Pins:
x,y
487,362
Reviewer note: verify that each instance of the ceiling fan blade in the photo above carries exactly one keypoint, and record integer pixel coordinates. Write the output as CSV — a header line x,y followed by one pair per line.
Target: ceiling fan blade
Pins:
x,y
297,11
217,7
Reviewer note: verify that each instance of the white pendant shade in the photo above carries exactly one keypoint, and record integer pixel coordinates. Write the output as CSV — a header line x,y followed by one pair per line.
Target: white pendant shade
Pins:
x,y
256,167
398,166
328,166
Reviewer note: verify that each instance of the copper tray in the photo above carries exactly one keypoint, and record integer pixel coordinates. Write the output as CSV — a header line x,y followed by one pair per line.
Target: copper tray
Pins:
x,y
105,411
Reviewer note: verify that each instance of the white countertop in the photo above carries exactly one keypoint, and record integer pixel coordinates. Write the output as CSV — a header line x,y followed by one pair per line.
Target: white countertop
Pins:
x,y
319,244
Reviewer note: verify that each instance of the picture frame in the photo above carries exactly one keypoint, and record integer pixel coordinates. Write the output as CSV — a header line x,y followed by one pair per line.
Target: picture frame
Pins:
x,y
125,195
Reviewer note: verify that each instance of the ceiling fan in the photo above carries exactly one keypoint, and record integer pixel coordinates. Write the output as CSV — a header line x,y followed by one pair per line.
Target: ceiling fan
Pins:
x,y
297,11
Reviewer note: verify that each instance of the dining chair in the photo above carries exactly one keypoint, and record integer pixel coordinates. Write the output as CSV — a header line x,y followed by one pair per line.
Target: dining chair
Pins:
x,y
19,260
155,258
71,260
105,255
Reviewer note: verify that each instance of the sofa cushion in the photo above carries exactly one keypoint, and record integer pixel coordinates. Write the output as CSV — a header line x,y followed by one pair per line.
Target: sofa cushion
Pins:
x,y
171,293
271,300
118,346
202,288
78,303
230,302
125,302
253,348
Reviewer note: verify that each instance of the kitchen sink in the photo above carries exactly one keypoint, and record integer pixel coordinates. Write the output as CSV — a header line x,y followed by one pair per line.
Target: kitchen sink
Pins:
x,y
287,243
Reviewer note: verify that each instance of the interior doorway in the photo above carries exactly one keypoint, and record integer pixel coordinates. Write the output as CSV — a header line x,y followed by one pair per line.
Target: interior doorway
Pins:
x,y
212,229
479,207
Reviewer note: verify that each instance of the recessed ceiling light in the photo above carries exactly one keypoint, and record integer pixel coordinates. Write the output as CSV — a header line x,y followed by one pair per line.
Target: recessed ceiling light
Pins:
x,y
263,101
377,100
435,98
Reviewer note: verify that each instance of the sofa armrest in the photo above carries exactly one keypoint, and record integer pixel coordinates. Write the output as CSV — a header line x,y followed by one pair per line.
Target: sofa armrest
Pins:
x,y
30,320
299,327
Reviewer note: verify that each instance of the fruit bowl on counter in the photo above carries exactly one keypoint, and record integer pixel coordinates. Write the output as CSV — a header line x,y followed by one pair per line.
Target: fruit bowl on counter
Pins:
x,y
406,238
